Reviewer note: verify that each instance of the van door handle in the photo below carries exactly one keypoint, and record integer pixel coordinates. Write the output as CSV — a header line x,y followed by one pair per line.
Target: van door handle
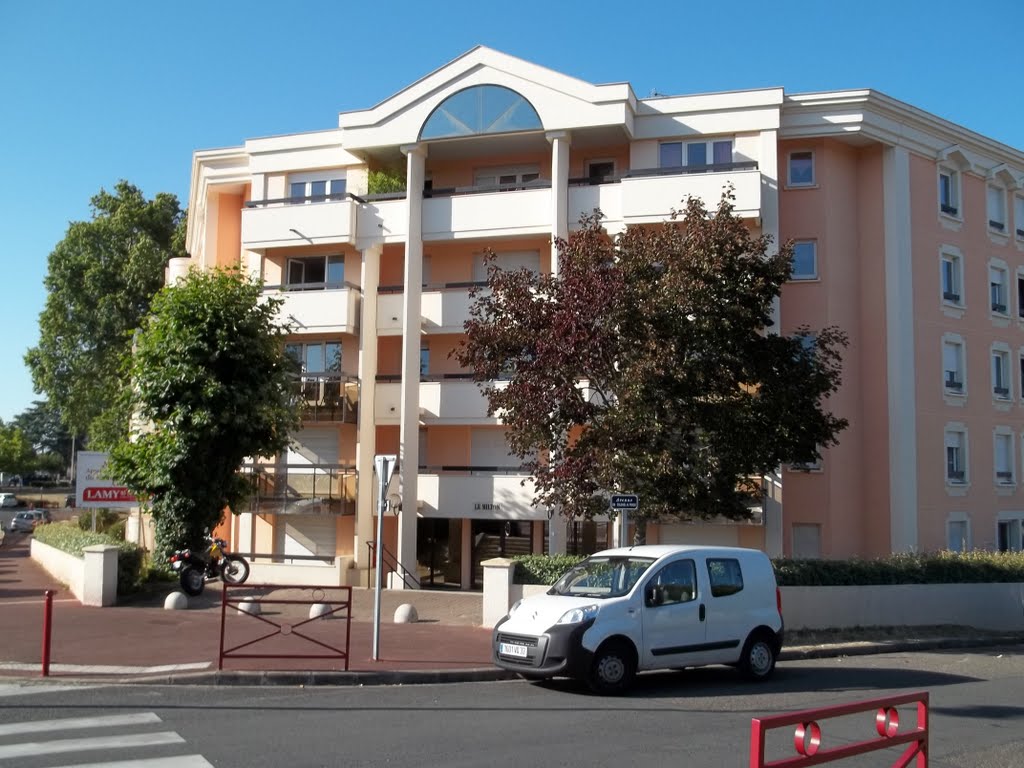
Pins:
x,y
701,613
631,611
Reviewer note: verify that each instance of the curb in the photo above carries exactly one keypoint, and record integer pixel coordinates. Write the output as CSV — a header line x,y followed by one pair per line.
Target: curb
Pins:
x,y
900,646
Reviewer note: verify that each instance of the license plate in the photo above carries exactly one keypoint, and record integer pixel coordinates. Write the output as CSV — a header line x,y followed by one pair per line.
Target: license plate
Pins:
x,y
511,649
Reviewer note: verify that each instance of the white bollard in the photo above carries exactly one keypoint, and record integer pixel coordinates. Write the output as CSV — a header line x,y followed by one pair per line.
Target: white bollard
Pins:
x,y
406,614
176,601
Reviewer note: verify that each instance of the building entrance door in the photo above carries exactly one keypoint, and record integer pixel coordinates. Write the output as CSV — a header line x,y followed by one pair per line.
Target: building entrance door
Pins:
x,y
439,552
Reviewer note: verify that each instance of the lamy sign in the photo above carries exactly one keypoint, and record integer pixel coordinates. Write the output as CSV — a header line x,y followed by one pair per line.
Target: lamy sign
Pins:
x,y
93,490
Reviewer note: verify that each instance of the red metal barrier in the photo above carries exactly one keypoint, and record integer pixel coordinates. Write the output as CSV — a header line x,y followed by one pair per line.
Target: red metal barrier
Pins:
x,y
337,598
47,624
808,739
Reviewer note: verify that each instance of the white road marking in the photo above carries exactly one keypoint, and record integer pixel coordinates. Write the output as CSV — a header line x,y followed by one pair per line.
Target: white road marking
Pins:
x,y
33,749
69,723
39,601
106,669
26,689
185,761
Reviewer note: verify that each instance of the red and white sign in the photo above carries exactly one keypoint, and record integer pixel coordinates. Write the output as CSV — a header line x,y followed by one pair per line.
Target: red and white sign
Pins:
x,y
93,490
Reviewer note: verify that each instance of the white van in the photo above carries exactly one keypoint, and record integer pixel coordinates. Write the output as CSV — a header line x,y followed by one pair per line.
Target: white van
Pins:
x,y
647,607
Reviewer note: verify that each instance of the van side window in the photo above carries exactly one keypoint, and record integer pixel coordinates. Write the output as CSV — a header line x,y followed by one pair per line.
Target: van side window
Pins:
x,y
725,576
675,583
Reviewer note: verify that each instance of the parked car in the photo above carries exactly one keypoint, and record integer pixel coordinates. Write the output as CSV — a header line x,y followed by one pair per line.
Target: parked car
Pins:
x,y
647,607
8,500
29,519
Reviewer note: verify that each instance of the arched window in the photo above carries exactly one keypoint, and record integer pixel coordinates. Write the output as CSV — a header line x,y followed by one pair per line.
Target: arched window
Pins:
x,y
481,109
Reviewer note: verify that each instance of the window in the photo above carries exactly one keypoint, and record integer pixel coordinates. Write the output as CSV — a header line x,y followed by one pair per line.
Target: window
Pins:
x,y
1004,457
996,208
956,456
481,109
1020,296
675,583
1001,373
424,360
949,192
1018,215
600,171
315,272
806,541
801,169
952,278
805,260
703,154
317,357
998,289
953,365
316,187
510,175
725,576
958,535
1009,533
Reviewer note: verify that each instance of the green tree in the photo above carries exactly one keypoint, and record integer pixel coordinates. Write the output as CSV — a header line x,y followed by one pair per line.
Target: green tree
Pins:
x,y
644,367
211,385
16,454
42,426
100,280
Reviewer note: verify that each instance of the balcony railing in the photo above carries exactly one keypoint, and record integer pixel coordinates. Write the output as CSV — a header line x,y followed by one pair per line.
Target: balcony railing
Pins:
x,y
301,489
328,397
289,221
318,307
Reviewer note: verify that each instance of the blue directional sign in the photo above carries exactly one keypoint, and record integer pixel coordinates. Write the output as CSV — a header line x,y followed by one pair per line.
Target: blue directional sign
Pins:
x,y
625,502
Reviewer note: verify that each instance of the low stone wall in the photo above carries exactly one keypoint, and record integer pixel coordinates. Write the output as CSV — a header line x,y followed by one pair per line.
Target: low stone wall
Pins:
x,y
92,579
336,574
997,607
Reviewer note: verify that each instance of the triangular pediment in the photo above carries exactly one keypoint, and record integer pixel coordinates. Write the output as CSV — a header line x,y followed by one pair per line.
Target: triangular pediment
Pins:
x,y
561,102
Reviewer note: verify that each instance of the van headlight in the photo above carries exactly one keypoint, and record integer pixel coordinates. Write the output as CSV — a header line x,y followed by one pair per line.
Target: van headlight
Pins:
x,y
515,607
578,615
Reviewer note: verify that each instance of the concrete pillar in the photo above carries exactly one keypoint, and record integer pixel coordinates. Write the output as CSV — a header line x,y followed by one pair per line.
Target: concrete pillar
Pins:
x,y
559,191
556,535
498,573
409,432
366,446
100,582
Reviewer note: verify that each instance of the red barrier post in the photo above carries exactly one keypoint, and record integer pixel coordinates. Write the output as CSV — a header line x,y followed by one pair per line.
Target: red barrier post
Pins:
x,y
47,622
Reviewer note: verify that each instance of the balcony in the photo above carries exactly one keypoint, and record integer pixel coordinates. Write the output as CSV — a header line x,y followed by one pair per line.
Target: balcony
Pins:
x,y
301,489
318,308
452,399
500,210
444,308
328,397
316,220
650,195
477,492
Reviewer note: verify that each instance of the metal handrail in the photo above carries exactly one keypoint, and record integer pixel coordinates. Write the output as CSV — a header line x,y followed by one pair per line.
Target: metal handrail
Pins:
x,y
388,559
333,197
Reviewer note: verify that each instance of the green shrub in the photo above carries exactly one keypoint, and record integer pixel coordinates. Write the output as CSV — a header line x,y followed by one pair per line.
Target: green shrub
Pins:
x,y
542,569
905,568
386,181
73,540
105,518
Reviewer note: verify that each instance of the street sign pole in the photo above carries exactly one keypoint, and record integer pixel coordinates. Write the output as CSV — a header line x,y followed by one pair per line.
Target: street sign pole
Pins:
x,y
383,468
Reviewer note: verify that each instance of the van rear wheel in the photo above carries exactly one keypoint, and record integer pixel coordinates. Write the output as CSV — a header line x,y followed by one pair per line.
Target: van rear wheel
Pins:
x,y
613,669
758,659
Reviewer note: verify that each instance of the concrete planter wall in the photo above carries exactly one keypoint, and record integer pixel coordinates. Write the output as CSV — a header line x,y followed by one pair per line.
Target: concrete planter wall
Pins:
x,y
337,574
984,606
92,579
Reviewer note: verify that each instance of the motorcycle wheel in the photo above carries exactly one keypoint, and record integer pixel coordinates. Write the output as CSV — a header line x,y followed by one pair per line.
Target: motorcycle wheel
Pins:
x,y
235,569
192,581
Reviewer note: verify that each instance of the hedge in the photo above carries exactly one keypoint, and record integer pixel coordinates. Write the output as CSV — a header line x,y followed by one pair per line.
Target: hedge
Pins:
x,y
916,568
73,540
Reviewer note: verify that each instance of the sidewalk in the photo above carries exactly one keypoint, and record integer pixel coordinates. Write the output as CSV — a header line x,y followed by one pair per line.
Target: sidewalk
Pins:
x,y
141,641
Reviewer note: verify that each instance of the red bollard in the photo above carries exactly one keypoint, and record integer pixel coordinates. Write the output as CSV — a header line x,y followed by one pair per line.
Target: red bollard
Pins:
x,y
47,616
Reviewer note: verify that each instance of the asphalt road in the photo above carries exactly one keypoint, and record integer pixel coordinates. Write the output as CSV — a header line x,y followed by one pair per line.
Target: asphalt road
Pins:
x,y
692,719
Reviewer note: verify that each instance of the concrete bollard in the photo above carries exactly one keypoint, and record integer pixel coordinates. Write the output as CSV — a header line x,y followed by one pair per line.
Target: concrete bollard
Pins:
x,y
406,614
249,605
176,601
320,610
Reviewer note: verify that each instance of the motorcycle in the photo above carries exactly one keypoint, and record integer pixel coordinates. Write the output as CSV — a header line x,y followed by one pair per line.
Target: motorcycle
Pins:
x,y
194,570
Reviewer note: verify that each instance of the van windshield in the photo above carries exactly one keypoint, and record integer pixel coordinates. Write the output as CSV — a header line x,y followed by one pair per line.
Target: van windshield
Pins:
x,y
602,577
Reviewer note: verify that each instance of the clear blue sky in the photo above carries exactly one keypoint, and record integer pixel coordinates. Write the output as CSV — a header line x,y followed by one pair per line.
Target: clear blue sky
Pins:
x,y
98,91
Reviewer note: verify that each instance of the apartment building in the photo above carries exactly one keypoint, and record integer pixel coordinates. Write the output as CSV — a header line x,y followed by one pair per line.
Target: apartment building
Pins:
x,y
908,231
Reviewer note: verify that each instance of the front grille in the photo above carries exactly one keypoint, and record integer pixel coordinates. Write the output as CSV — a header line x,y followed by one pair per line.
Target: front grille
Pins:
x,y
529,642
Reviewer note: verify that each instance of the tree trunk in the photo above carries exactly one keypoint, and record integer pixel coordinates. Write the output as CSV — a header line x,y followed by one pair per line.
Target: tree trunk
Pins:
x,y
639,531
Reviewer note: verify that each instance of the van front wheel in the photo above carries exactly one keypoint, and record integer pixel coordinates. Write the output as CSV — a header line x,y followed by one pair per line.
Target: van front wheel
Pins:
x,y
613,668
758,659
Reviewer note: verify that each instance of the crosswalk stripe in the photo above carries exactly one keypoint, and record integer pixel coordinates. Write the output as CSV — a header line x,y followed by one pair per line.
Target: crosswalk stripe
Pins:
x,y
69,723
185,761
33,749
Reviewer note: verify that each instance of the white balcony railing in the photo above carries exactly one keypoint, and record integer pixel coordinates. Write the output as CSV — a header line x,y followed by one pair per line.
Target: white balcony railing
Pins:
x,y
451,401
652,198
442,309
487,214
277,223
477,494
323,310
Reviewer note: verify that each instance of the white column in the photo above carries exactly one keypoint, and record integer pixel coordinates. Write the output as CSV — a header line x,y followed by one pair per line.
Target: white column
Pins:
x,y
559,191
408,464
556,534
366,444
899,344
